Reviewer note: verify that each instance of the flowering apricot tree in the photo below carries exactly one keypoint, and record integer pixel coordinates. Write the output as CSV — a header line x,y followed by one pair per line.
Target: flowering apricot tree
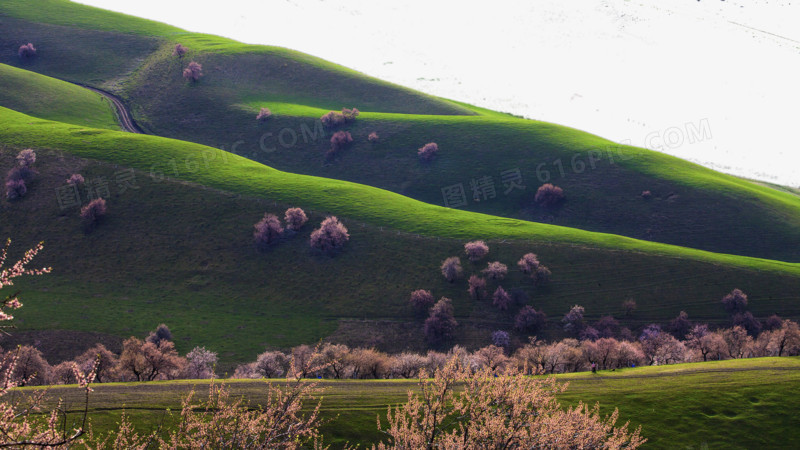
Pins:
x,y
459,408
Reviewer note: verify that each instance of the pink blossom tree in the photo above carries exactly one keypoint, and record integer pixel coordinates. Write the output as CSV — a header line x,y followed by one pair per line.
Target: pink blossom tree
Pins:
x,y
179,50
462,408
75,179
548,195
339,141
476,250
193,72
421,300
500,299
267,231
495,270
735,301
263,115
330,236
26,51
26,157
477,287
332,119
295,218
350,114
528,264
451,269
440,326
200,363
428,151
93,213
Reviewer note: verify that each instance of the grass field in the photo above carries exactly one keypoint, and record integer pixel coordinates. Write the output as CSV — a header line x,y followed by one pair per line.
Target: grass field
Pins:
x,y
45,97
726,404
692,206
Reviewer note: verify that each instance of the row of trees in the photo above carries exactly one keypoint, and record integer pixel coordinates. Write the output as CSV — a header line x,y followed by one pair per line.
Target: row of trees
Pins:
x,y
654,347
155,357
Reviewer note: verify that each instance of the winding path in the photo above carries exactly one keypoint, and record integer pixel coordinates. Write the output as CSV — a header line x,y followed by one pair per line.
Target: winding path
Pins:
x,y
123,114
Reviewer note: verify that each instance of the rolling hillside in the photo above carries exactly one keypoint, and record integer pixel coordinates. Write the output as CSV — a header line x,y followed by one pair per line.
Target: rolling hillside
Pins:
x,y
691,206
179,250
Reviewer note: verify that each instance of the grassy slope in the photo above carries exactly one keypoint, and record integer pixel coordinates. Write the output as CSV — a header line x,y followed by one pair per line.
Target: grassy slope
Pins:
x,y
51,99
725,404
181,254
693,206
218,169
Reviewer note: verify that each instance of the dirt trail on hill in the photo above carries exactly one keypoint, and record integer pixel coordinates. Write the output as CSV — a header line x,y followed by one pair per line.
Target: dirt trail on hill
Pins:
x,y
123,114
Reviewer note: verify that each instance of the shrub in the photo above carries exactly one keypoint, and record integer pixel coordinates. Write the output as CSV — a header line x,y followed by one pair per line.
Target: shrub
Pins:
x,y
76,179
373,137
548,195
92,213
573,320
350,114
264,114
476,250
26,51
501,299
528,320
332,119
428,151
421,300
26,157
477,287
735,301
441,324
330,236
542,275
15,189
528,264
501,339
339,141
193,72
179,50
267,232
451,268
495,270
295,218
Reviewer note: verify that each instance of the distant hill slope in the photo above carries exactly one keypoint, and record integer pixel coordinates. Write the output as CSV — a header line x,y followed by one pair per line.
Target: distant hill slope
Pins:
x,y
690,205
180,251
48,98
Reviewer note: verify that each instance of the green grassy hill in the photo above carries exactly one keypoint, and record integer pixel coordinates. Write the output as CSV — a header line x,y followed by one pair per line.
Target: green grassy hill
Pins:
x,y
180,251
691,206
727,404
48,98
